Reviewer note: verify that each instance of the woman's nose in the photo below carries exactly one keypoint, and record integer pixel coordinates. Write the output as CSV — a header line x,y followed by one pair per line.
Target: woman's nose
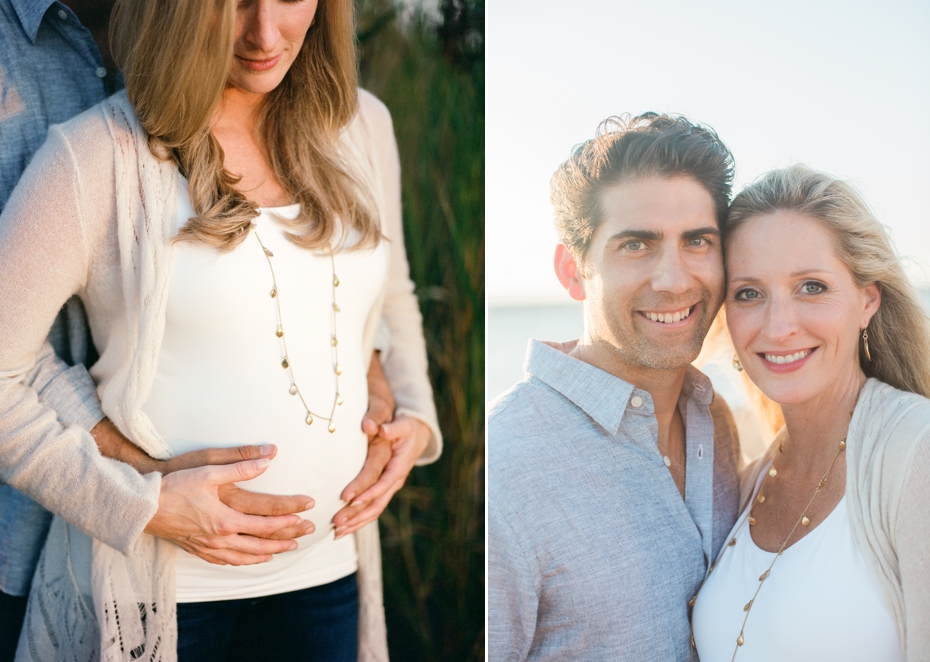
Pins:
x,y
780,319
261,26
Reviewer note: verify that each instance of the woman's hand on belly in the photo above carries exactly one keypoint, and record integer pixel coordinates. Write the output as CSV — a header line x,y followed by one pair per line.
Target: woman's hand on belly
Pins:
x,y
400,444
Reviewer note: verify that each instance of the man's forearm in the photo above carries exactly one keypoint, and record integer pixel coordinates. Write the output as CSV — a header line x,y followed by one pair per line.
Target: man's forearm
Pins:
x,y
113,444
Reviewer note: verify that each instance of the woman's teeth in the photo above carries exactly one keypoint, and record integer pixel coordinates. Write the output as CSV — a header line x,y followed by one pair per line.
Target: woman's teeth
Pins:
x,y
670,318
791,358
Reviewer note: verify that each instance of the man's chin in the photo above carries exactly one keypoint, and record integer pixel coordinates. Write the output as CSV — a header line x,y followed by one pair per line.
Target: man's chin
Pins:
x,y
663,356
668,361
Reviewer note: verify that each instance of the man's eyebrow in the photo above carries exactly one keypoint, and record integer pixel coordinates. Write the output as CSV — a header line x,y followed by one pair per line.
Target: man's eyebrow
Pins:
x,y
650,235
700,232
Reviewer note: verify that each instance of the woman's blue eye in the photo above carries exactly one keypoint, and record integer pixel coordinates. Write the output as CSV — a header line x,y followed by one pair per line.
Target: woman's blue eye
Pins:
x,y
747,295
813,287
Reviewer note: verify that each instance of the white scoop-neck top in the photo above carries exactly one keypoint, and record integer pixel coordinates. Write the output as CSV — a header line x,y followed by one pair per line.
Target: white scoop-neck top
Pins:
x,y
219,382
819,603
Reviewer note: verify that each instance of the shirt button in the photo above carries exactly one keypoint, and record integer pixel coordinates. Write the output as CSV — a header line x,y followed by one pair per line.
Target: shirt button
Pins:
x,y
101,72
636,401
62,14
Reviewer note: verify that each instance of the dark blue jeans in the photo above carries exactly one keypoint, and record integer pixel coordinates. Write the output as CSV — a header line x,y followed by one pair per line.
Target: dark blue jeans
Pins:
x,y
12,611
318,623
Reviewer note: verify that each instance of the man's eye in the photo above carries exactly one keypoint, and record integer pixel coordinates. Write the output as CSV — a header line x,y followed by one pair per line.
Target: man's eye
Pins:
x,y
634,246
697,242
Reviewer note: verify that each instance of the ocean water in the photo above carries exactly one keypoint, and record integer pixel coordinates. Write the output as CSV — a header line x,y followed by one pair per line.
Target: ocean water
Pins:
x,y
510,327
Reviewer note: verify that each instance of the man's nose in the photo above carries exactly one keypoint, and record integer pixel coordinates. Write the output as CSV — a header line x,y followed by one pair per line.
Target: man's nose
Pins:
x,y
672,273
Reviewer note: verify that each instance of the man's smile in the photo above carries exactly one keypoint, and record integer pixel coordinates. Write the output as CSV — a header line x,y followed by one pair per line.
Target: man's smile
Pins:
x,y
666,318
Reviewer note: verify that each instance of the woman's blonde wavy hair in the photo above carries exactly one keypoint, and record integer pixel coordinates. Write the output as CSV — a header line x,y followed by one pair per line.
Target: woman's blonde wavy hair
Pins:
x,y
175,57
899,335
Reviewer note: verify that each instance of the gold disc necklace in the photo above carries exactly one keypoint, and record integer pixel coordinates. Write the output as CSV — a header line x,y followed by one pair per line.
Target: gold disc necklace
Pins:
x,y
334,341
803,520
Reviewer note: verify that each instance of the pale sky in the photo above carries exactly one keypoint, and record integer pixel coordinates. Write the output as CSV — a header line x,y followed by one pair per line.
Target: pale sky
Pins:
x,y
843,86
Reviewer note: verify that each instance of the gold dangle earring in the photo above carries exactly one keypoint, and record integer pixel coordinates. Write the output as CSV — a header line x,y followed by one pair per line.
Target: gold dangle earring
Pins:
x,y
736,364
865,343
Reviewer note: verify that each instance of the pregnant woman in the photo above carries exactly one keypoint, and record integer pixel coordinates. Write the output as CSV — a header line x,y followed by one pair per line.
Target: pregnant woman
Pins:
x,y
232,224
828,558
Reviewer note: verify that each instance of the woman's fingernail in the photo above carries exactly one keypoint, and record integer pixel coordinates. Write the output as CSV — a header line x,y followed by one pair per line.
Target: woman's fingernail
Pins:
x,y
262,464
355,504
349,498
265,449
310,504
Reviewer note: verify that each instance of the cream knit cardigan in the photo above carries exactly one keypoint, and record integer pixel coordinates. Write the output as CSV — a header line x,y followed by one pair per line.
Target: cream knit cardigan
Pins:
x,y
93,215
887,497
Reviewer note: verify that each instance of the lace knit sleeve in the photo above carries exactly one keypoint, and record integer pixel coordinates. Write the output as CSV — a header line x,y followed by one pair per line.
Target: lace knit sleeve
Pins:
x,y
44,257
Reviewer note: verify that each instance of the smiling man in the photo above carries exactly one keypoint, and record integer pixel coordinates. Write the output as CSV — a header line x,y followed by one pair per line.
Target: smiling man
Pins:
x,y
612,465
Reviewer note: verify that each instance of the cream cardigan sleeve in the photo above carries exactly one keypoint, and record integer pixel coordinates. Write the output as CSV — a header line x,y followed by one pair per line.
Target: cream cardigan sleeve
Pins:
x,y
406,365
908,491
43,261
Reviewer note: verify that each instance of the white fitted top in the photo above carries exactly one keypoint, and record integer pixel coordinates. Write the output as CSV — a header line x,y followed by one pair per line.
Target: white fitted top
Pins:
x,y
819,603
219,382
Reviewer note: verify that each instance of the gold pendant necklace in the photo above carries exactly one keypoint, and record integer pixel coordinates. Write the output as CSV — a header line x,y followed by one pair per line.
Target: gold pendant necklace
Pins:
x,y
334,342
803,520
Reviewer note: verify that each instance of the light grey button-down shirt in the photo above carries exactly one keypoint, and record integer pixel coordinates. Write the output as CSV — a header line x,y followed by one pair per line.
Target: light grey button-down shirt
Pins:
x,y
50,70
592,552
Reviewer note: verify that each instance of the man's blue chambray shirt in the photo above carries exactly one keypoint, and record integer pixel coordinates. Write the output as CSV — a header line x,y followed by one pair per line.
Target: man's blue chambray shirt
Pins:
x,y
592,553
50,71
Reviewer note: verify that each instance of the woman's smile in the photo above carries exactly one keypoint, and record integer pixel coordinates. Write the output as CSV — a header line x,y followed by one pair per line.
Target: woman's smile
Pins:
x,y
256,64
786,361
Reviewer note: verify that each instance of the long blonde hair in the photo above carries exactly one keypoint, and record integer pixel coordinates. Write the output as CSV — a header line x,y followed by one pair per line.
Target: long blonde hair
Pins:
x,y
175,57
899,335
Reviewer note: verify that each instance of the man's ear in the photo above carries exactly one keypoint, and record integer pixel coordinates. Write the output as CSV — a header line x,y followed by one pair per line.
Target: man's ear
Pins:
x,y
568,273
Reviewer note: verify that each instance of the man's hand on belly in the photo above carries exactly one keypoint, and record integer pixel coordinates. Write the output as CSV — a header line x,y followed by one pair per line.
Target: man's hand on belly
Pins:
x,y
192,514
194,520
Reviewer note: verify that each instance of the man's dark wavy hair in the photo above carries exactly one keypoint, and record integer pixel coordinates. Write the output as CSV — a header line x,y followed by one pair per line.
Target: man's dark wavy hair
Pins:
x,y
626,148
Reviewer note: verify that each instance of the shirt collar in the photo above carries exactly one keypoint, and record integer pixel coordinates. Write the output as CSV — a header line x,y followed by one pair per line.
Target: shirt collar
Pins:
x,y
31,13
599,394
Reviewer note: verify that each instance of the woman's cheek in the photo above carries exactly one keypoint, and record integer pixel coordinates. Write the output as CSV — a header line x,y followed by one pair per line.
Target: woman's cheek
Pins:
x,y
740,323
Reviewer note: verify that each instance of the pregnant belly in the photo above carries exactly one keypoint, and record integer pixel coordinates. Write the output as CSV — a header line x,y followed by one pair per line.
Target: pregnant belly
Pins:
x,y
317,466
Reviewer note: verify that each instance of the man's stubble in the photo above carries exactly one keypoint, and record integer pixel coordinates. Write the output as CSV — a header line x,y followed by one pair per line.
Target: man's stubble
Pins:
x,y
633,345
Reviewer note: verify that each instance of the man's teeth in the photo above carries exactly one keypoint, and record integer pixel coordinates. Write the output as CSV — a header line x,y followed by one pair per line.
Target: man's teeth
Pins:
x,y
791,358
669,318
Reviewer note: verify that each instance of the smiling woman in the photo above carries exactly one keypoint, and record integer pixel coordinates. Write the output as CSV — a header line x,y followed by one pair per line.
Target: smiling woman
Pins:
x,y
831,541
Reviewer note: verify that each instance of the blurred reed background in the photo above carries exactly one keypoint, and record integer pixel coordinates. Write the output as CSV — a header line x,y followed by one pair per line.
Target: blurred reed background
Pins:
x,y
427,66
